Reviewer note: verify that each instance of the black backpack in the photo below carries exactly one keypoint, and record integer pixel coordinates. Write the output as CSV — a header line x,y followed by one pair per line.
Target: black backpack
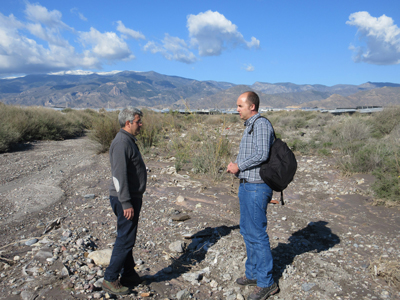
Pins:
x,y
279,169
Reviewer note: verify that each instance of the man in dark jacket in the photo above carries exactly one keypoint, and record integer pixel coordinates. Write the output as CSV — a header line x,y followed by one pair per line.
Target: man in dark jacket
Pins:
x,y
129,177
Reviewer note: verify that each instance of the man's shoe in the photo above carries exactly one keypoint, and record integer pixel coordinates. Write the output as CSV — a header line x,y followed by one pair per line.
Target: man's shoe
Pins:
x,y
115,287
132,280
245,281
260,293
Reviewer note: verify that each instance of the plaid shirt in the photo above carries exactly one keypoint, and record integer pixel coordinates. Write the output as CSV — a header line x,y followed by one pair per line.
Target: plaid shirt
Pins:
x,y
254,148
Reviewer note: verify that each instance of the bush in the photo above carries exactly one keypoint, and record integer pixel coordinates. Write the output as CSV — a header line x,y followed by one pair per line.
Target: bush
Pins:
x,y
213,156
181,150
385,121
300,146
105,127
24,124
153,124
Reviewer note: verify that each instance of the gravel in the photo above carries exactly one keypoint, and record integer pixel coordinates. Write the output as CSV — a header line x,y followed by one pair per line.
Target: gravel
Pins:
x,y
55,212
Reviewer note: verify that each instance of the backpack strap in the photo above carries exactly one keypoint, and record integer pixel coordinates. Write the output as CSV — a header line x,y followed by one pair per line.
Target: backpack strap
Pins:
x,y
252,125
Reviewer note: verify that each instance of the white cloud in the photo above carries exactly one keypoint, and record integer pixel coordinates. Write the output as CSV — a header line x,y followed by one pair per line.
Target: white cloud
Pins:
x,y
37,44
40,14
81,16
381,36
130,32
106,45
211,33
172,48
249,68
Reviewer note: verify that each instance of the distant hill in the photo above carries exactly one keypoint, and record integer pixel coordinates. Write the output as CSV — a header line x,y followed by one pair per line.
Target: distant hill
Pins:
x,y
151,89
384,96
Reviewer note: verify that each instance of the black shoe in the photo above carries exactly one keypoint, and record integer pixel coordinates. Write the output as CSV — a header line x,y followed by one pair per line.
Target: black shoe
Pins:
x,y
245,281
260,293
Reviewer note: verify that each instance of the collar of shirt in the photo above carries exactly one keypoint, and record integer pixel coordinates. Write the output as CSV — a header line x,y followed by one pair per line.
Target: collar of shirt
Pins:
x,y
251,120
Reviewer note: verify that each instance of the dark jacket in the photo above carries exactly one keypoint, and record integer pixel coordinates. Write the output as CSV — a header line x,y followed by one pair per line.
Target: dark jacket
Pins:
x,y
129,175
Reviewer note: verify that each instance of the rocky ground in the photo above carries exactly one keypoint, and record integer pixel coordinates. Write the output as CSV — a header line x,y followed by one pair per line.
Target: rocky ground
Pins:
x,y
328,240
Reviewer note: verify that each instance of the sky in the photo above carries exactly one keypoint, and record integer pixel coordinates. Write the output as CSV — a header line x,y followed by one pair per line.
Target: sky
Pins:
x,y
242,42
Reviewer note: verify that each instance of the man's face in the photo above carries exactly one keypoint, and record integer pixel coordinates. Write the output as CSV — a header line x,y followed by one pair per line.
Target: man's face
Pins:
x,y
136,125
244,108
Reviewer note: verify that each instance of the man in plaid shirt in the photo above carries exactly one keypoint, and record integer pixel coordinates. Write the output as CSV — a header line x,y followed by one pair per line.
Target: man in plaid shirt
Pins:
x,y
254,196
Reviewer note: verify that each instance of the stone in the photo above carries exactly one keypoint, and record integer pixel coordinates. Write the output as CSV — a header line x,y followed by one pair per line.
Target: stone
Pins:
x,y
43,254
64,272
239,297
182,295
101,257
181,218
191,277
31,242
307,286
180,199
177,246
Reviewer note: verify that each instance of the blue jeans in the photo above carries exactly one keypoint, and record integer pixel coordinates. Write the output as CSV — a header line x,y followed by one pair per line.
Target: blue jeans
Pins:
x,y
122,259
254,198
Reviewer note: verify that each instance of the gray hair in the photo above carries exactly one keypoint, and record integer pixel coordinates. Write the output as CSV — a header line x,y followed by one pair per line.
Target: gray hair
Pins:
x,y
128,114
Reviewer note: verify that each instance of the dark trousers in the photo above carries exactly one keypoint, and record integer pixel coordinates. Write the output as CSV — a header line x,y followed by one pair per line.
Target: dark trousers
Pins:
x,y
122,259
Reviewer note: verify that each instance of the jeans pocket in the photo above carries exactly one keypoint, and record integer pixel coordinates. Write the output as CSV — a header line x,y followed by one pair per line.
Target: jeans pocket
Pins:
x,y
250,187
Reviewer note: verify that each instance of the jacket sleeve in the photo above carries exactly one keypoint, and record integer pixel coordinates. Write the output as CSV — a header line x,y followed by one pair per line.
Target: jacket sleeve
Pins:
x,y
121,156
261,142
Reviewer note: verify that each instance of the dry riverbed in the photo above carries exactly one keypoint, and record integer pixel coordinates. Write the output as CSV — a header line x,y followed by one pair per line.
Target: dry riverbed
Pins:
x,y
328,240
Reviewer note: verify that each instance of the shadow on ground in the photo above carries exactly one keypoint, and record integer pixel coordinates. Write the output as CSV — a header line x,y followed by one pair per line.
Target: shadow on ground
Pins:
x,y
316,237
195,253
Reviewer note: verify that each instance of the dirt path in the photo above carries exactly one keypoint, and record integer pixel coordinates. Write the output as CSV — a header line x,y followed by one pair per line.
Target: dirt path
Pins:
x,y
324,240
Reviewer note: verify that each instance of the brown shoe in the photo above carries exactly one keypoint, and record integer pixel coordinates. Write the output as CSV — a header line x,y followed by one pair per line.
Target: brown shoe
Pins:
x,y
245,281
260,293
115,287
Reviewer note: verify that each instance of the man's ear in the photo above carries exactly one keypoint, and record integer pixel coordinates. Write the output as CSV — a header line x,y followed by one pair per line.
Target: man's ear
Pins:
x,y
252,107
127,124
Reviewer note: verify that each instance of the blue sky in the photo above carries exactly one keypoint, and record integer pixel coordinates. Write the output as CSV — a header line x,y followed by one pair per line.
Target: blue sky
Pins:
x,y
303,42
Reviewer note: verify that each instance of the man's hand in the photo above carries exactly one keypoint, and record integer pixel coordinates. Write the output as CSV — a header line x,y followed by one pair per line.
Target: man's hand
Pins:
x,y
129,213
232,168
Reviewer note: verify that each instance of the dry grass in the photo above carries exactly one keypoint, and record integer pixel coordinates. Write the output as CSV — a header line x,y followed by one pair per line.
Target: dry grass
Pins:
x,y
389,270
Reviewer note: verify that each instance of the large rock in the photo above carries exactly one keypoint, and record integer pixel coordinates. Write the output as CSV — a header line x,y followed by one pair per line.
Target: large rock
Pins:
x,y
101,257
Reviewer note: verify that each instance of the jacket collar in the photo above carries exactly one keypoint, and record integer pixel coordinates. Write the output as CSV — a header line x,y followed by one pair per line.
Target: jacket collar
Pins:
x,y
128,134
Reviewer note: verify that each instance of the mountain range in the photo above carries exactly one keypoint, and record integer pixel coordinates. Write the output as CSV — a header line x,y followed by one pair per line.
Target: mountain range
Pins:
x,y
151,89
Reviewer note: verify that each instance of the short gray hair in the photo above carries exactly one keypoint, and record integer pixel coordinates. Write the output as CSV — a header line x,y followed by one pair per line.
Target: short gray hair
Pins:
x,y
128,114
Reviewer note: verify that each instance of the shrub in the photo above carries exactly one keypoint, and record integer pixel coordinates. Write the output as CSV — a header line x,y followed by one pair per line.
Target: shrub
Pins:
x,y
349,135
385,121
233,118
300,146
215,119
182,151
213,156
153,124
23,124
105,127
